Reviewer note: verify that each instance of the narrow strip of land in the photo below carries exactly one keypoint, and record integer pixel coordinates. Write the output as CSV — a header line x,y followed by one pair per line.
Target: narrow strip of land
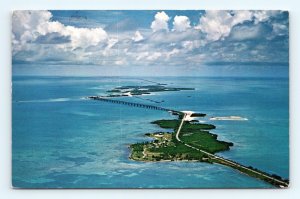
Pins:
x,y
226,161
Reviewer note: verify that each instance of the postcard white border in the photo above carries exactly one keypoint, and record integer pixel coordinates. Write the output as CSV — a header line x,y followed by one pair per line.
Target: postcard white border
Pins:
x,y
5,101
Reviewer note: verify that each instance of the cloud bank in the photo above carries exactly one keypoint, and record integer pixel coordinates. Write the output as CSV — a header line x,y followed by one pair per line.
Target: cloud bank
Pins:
x,y
159,39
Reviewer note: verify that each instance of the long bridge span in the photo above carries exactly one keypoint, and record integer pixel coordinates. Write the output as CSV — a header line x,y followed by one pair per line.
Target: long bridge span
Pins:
x,y
134,104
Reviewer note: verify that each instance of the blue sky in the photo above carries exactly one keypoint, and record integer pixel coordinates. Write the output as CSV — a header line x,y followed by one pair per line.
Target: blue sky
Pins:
x,y
197,43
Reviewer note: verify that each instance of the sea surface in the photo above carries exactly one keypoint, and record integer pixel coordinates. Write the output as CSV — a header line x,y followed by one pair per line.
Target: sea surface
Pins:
x,y
60,139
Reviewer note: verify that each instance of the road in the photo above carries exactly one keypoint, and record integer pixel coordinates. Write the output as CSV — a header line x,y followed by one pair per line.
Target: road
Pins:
x,y
226,161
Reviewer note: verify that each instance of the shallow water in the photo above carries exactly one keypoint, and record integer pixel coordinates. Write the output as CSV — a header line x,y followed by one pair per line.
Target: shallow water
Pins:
x,y
61,139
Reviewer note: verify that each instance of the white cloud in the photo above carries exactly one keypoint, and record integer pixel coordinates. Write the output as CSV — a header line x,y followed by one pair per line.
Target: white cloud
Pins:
x,y
27,22
28,25
160,22
279,29
84,37
181,23
264,15
137,36
120,62
240,17
217,24
245,32
213,39
190,45
172,53
154,56
141,55
107,51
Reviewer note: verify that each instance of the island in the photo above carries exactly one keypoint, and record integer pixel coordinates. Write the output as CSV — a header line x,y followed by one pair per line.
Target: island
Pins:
x,y
165,146
192,141
142,90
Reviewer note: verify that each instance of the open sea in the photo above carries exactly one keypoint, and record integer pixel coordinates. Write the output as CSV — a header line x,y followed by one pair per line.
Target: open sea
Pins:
x,y
62,140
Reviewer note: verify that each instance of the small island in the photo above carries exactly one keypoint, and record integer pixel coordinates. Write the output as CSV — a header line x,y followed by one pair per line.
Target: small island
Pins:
x,y
142,90
165,146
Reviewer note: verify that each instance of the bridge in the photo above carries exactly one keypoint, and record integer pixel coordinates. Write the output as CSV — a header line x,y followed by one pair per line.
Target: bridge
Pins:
x,y
134,104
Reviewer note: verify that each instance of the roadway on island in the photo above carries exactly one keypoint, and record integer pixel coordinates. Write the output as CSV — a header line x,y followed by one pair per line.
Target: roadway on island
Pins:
x,y
229,162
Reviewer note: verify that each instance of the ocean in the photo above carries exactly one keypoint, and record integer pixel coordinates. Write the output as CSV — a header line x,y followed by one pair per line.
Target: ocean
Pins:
x,y
60,139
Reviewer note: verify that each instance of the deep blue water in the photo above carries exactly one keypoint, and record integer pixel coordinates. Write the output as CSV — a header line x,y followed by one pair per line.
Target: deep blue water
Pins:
x,y
61,140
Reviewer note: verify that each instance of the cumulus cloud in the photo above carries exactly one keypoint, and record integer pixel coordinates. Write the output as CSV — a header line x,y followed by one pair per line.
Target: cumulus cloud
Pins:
x,y
181,23
52,38
137,36
192,44
30,25
26,23
154,56
217,24
245,32
264,15
160,22
84,37
280,29
172,53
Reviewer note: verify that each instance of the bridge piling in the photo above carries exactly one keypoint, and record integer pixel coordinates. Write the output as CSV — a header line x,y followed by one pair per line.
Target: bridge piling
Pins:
x,y
134,104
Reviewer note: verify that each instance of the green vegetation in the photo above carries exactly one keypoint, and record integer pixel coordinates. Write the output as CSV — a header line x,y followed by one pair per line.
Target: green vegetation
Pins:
x,y
205,141
164,147
167,124
137,150
198,115
189,127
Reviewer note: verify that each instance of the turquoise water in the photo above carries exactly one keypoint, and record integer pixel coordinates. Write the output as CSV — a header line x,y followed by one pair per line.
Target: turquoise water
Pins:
x,y
61,140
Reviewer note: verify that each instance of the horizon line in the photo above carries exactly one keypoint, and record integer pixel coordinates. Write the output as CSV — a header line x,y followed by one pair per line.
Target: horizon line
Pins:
x,y
204,76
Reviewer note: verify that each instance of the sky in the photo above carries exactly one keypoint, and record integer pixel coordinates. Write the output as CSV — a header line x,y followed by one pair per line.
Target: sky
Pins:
x,y
151,43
